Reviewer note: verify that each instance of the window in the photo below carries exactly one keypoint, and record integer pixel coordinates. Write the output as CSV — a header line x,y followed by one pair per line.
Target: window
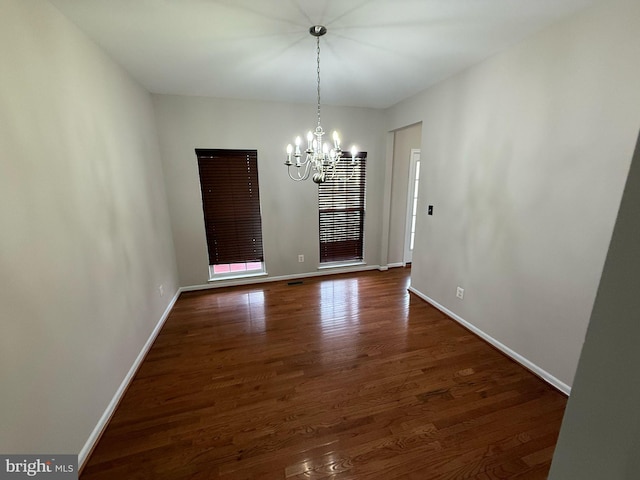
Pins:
x,y
341,204
231,206
414,205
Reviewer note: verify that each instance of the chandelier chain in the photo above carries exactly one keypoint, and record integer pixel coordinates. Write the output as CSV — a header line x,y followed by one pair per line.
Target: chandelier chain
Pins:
x,y
318,71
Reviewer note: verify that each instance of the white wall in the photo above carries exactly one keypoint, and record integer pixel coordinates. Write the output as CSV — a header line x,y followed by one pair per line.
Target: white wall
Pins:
x,y
525,157
289,209
600,435
85,238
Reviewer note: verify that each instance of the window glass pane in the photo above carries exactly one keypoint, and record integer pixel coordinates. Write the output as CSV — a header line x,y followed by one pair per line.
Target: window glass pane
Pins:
x,y
235,269
221,268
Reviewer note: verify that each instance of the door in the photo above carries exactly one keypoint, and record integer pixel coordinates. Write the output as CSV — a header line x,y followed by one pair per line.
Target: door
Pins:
x,y
412,205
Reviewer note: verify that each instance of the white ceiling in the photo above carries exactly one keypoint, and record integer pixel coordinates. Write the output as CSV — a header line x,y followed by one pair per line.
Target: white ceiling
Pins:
x,y
376,52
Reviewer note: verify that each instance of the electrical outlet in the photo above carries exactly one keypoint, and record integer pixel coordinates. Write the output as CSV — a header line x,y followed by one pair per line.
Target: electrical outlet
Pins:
x,y
161,289
460,293
300,258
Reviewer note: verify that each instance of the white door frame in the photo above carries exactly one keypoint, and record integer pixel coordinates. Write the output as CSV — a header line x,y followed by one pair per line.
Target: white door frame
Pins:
x,y
411,194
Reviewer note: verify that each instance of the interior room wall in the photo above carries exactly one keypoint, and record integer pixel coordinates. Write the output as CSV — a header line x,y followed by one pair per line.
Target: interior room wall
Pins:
x,y
405,140
600,434
525,157
85,240
289,209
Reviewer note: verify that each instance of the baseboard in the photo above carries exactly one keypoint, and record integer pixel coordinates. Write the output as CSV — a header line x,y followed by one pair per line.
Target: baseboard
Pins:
x,y
256,280
392,265
396,265
92,441
535,369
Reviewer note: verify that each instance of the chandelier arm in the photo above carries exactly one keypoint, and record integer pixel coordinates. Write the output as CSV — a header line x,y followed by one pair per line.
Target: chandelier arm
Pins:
x,y
303,163
295,179
298,177
332,172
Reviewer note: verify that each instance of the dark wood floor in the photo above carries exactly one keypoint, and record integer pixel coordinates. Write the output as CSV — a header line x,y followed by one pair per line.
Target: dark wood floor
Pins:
x,y
341,377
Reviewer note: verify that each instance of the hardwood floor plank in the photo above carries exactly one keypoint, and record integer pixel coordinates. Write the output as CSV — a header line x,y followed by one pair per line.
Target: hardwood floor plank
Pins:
x,y
341,377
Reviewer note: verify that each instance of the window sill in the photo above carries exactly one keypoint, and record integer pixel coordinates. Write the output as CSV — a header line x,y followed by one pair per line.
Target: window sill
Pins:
x,y
237,276
327,266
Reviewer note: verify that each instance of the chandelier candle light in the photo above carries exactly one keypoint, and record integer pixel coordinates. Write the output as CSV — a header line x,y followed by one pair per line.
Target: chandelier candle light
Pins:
x,y
319,156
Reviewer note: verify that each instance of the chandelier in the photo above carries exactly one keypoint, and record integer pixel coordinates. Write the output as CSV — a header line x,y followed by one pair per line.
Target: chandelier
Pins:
x,y
319,156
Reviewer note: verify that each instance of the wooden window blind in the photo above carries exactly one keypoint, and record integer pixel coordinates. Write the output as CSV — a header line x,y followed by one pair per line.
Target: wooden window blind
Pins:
x,y
231,205
342,206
